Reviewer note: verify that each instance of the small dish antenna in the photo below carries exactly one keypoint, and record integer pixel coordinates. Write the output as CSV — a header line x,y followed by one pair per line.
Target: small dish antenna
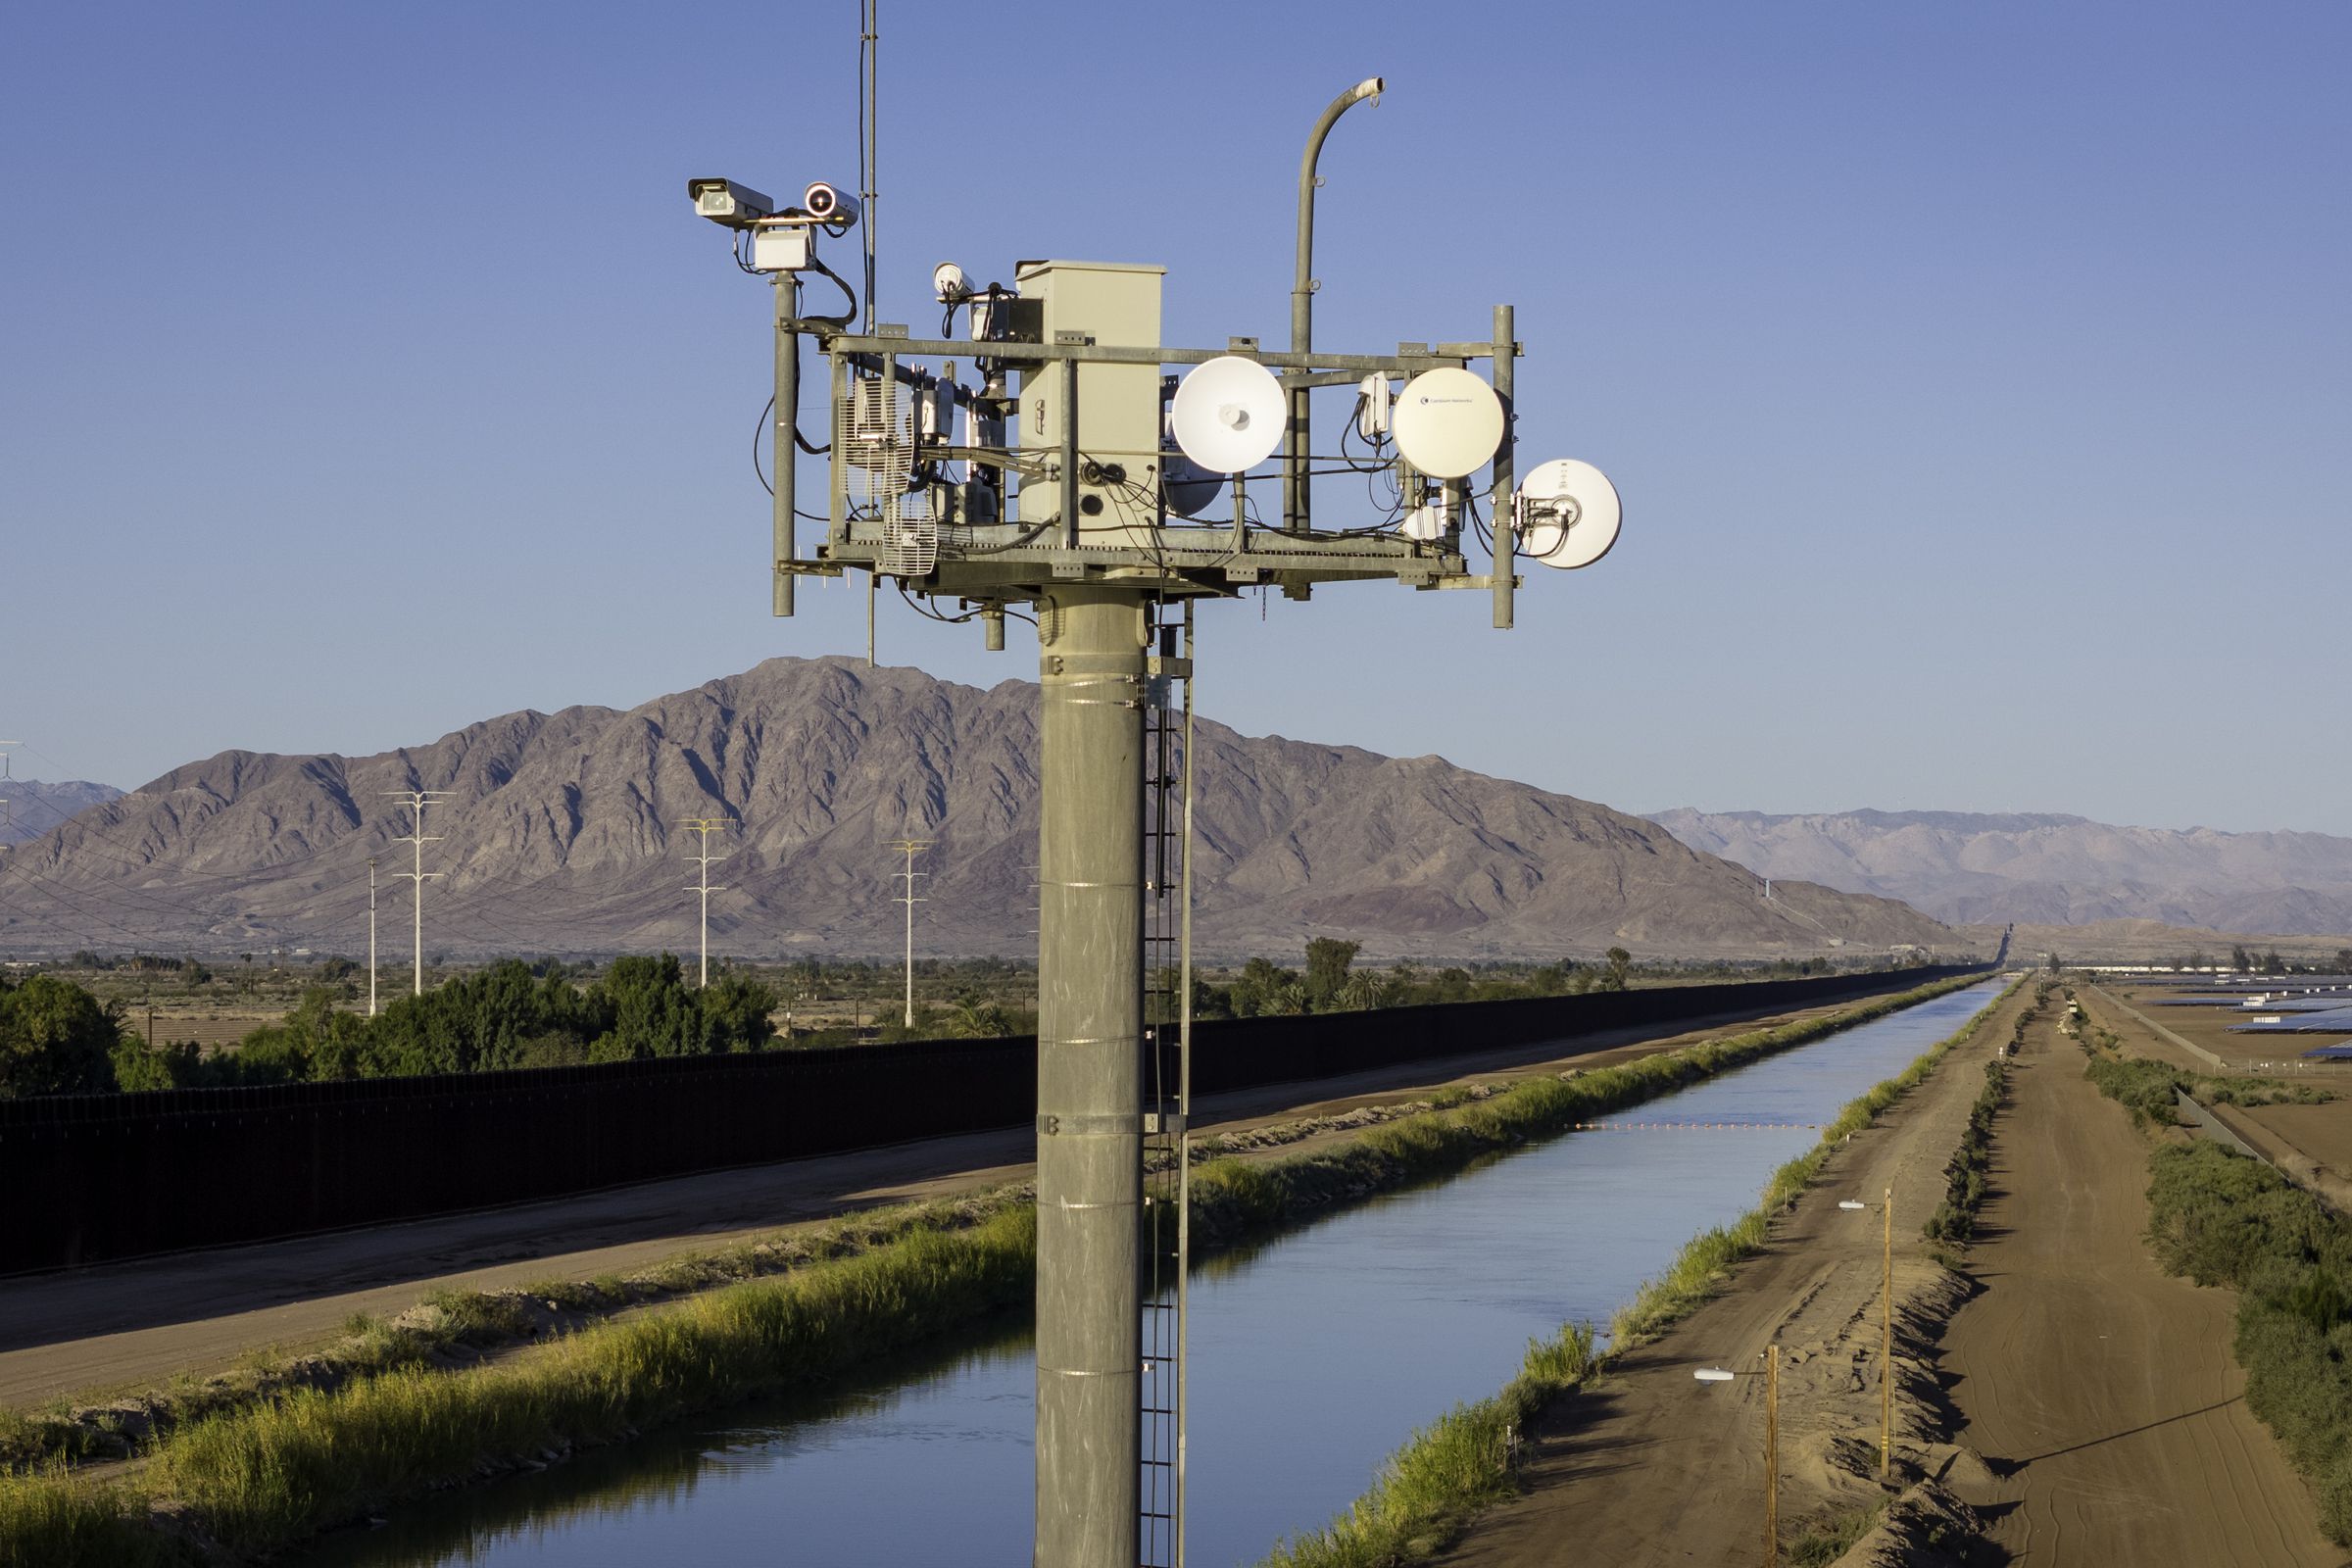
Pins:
x,y
1227,414
1189,488
1567,513
1448,422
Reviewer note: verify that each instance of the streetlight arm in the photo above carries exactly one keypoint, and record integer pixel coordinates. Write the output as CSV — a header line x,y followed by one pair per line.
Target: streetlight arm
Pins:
x,y
1294,439
1302,283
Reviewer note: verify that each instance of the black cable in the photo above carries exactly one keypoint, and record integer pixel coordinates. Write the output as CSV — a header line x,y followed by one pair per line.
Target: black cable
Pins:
x,y
848,292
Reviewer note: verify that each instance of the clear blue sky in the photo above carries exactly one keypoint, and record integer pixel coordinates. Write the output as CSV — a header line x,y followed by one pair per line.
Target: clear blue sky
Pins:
x,y
1975,377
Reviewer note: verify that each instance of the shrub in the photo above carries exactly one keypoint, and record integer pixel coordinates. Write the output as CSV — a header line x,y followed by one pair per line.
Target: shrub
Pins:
x,y
2222,1218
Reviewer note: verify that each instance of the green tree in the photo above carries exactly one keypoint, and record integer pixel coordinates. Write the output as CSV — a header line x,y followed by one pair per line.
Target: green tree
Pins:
x,y
1621,967
736,1014
55,1039
2056,963
165,1066
1328,960
1253,989
654,1013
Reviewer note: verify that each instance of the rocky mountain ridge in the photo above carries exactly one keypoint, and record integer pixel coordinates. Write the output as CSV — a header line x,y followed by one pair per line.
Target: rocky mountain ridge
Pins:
x,y
29,807
1970,869
561,834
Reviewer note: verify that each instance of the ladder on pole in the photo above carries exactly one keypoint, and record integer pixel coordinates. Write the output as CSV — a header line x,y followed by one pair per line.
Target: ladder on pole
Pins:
x,y
1167,1035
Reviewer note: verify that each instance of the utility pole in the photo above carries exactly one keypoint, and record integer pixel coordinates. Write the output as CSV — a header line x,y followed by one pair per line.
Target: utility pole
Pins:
x,y
371,936
1887,1344
1772,1454
704,826
418,800
908,897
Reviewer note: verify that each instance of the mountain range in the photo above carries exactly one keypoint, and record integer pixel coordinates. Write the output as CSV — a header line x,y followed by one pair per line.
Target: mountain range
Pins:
x,y
29,807
560,833
1970,869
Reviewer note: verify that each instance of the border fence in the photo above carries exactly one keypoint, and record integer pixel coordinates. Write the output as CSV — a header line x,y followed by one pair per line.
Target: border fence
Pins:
x,y
99,1177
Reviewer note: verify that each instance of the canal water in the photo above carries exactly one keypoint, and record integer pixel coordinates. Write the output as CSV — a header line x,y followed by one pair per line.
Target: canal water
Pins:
x,y
1314,1355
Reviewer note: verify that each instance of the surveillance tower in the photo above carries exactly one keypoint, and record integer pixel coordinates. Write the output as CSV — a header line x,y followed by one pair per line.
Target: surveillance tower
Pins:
x,y
1057,459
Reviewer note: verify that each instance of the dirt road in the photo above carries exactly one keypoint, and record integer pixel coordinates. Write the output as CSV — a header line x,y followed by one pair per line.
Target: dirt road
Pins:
x,y
2101,1391
1651,1467
135,1325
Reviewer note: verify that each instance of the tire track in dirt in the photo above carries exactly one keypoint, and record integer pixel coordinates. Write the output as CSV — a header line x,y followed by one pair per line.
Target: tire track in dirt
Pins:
x,y
2100,1391
1646,1469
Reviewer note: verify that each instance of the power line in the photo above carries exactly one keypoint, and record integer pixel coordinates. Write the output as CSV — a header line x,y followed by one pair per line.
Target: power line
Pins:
x,y
908,897
704,826
418,800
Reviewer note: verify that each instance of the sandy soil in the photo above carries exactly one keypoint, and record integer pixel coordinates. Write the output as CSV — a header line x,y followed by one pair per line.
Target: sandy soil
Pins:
x,y
1650,1467
135,1325
2099,1392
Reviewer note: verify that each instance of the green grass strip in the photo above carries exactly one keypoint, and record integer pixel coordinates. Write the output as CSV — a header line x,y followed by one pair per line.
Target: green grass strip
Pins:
x,y
255,1478
1466,1460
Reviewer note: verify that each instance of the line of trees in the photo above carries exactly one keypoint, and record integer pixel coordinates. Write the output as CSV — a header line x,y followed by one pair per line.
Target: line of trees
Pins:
x,y
55,1038
1331,983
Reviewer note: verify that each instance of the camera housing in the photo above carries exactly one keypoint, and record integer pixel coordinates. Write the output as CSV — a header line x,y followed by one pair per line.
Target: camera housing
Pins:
x,y
728,204
830,204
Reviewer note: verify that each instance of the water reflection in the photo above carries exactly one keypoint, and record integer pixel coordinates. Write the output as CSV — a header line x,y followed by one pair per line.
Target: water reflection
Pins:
x,y
1313,1355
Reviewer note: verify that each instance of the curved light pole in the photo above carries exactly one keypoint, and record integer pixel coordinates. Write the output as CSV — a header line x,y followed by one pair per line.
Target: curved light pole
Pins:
x,y
1302,308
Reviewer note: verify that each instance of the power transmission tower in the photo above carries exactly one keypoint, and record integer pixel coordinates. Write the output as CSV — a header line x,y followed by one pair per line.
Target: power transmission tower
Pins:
x,y
8,816
908,897
371,936
419,800
706,826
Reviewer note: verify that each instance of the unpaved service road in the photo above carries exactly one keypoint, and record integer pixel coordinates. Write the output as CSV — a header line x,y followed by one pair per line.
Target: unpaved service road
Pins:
x,y
2100,1391
135,1325
1649,1467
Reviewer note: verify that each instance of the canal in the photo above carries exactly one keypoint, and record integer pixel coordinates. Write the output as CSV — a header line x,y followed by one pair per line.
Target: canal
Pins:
x,y
1314,1355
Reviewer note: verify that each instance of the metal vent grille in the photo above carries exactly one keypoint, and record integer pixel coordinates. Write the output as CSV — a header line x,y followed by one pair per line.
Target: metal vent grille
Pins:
x,y
873,466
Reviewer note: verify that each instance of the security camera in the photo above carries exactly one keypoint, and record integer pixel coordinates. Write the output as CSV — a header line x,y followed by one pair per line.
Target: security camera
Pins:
x,y
948,283
830,204
722,200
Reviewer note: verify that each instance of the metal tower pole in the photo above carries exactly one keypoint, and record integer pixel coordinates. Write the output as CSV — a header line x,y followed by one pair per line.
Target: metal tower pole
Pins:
x,y
788,420
1090,1078
416,947
703,887
1302,304
420,876
908,897
371,936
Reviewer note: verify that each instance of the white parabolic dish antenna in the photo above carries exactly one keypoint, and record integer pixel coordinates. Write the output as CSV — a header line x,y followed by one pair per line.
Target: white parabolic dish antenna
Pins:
x,y
1569,515
1448,422
1228,415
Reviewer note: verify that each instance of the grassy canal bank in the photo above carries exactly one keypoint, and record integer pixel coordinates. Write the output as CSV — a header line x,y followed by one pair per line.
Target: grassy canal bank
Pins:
x,y
247,1480
1450,1471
